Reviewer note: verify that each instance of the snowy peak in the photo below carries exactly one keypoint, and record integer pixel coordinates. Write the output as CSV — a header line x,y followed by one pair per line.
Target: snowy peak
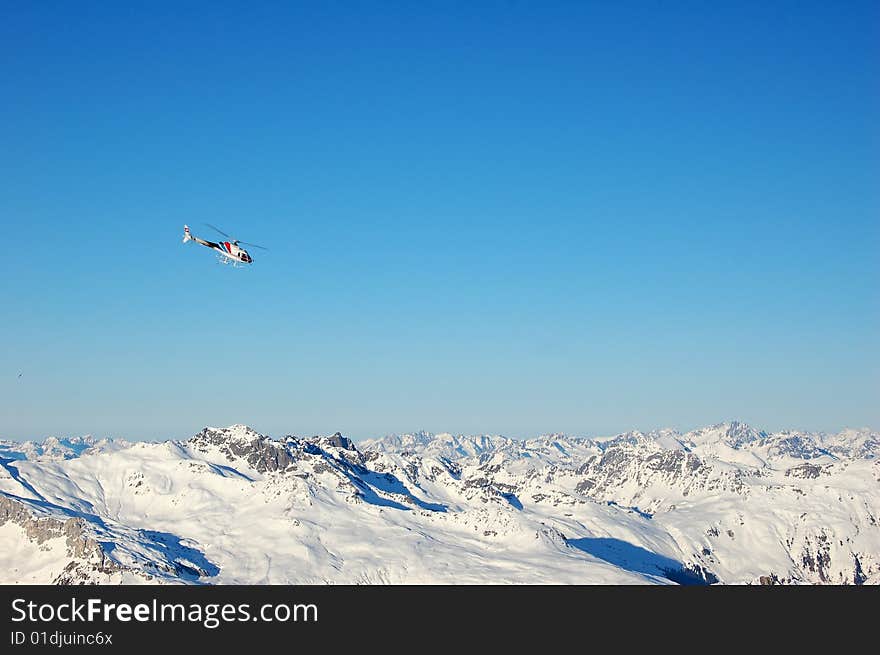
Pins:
x,y
793,444
51,448
408,442
438,445
237,433
240,443
733,434
336,440
861,443
665,439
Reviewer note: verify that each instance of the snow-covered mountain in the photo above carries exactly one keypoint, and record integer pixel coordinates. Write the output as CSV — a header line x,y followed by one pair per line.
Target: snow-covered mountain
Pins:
x,y
726,503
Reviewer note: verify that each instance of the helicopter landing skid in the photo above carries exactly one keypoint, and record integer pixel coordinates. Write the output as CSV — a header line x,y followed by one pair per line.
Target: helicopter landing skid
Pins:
x,y
226,261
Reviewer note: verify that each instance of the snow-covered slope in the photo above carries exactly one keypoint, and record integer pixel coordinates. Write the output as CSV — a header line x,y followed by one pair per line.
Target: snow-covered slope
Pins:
x,y
725,503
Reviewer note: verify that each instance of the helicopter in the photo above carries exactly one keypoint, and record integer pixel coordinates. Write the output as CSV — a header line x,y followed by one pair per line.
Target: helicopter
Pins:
x,y
229,251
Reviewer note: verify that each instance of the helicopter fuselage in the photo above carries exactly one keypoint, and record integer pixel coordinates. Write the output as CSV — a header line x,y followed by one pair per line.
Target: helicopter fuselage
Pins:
x,y
232,251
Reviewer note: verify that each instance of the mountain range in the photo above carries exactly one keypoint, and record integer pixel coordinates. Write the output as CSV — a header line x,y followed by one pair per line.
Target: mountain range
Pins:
x,y
725,504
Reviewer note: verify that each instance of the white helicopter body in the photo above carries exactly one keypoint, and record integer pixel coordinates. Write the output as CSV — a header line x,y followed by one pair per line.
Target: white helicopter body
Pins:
x,y
229,252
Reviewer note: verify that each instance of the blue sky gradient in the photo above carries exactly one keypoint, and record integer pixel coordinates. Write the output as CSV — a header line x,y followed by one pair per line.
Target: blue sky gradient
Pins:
x,y
487,217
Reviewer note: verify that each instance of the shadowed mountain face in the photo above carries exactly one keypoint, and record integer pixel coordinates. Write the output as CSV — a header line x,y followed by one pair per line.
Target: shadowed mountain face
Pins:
x,y
640,560
723,504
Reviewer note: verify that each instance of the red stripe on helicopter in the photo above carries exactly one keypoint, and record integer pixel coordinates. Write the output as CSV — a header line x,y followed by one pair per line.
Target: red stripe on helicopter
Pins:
x,y
228,249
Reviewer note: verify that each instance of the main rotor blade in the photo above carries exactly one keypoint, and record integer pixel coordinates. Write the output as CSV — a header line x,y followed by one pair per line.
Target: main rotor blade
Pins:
x,y
217,229
252,245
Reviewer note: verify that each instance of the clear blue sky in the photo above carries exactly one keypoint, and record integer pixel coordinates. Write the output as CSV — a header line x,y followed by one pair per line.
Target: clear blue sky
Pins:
x,y
506,217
